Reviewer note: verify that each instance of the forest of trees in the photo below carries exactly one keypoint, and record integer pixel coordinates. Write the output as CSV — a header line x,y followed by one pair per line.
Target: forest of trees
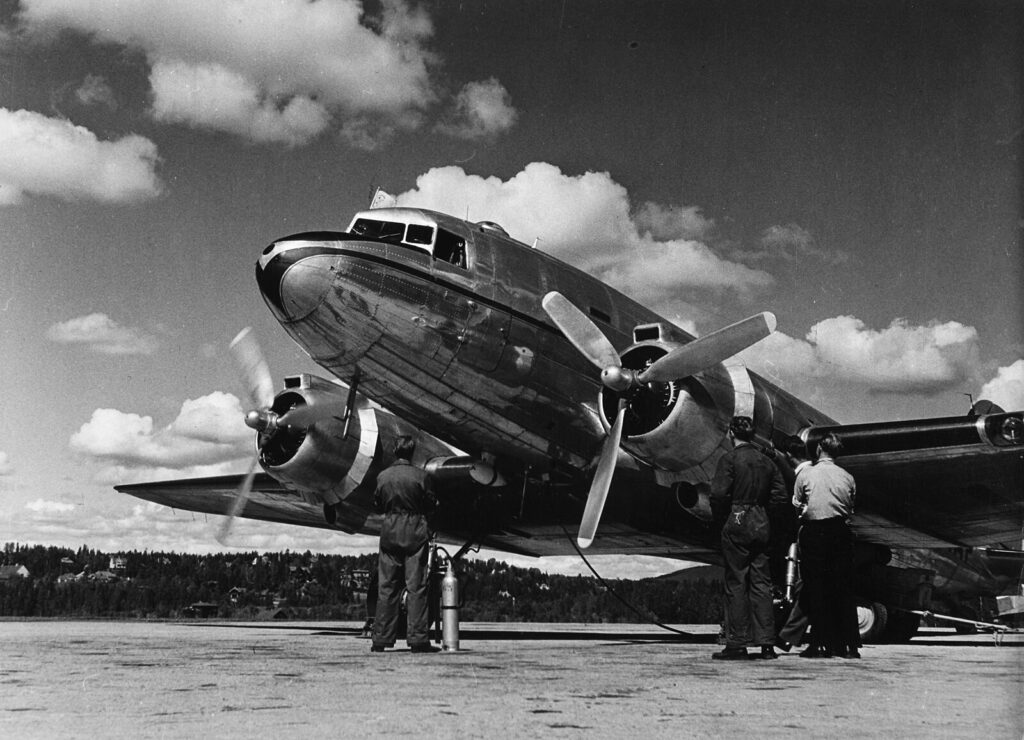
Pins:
x,y
155,585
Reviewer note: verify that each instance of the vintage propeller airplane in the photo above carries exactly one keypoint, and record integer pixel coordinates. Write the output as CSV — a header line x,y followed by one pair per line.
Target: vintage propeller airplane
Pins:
x,y
545,402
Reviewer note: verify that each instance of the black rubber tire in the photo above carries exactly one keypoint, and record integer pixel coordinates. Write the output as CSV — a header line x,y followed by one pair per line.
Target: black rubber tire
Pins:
x,y
872,619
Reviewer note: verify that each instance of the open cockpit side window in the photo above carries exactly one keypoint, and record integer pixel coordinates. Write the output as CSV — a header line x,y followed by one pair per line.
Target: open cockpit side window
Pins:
x,y
450,248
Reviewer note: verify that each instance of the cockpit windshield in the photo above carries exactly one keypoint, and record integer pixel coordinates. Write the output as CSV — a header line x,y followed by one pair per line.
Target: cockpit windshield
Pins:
x,y
388,231
441,244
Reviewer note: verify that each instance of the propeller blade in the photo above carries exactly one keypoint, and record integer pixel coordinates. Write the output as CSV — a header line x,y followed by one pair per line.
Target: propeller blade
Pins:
x,y
580,330
702,353
240,498
602,481
255,372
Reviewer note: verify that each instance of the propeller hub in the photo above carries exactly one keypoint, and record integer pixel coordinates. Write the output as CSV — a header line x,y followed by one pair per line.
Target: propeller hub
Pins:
x,y
261,420
617,378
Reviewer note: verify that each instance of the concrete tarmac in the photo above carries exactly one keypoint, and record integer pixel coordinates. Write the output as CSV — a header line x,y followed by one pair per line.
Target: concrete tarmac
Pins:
x,y
302,680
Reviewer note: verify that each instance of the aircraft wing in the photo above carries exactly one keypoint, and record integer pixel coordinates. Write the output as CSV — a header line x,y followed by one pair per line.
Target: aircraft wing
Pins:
x,y
955,482
269,501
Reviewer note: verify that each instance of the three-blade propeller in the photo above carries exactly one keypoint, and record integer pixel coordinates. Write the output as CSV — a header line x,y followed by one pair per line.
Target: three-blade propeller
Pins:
x,y
682,362
255,375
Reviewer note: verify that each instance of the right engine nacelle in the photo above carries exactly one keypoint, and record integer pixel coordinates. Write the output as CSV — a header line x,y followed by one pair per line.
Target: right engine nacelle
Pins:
x,y
676,425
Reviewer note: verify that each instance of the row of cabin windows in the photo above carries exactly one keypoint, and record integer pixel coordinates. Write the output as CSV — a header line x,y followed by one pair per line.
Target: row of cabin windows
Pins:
x,y
448,247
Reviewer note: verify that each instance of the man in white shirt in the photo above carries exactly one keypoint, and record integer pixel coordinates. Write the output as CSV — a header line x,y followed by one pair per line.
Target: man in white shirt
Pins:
x,y
824,495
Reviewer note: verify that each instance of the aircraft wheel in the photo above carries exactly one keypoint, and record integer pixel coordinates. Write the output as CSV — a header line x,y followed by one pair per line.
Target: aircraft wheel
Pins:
x,y
871,620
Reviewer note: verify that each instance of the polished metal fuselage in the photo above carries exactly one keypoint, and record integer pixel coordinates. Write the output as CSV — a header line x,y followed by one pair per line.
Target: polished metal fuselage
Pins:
x,y
470,355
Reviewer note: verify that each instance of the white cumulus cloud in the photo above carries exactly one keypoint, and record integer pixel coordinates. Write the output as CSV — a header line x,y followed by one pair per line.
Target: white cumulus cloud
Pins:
x,y
586,221
207,431
51,156
41,506
665,223
100,333
1006,389
901,358
482,110
269,70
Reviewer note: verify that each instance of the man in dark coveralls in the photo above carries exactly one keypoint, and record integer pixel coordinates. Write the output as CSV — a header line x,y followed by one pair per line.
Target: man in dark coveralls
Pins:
x,y
746,484
405,497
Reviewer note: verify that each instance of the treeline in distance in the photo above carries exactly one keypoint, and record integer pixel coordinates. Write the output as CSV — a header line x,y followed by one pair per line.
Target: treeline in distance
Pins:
x,y
156,585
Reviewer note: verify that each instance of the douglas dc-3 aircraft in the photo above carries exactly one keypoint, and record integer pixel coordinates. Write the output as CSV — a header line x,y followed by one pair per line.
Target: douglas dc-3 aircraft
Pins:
x,y
547,404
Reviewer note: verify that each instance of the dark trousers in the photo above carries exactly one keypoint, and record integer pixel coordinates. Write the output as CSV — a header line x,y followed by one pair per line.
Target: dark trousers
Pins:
x,y
398,567
826,566
748,590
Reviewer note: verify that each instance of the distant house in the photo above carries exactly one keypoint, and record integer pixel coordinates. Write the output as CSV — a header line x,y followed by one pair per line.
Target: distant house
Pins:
x,y
104,576
236,594
9,573
118,564
202,609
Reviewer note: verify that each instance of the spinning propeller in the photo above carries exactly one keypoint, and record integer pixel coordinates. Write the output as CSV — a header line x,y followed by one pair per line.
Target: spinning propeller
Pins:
x,y
682,362
260,385
256,376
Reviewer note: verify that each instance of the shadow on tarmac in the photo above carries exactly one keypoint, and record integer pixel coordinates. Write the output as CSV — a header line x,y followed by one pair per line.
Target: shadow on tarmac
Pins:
x,y
590,633
521,632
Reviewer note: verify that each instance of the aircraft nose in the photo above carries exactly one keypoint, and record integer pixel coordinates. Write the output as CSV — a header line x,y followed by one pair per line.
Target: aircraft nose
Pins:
x,y
292,280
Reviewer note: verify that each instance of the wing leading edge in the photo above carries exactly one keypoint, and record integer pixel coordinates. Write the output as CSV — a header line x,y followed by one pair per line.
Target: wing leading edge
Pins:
x,y
269,501
950,482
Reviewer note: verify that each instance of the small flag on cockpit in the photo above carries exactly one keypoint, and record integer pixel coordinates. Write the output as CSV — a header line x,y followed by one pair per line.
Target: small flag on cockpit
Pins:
x,y
382,199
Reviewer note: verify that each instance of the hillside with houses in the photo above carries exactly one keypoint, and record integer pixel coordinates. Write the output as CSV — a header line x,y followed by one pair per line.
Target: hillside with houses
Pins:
x,y
41,581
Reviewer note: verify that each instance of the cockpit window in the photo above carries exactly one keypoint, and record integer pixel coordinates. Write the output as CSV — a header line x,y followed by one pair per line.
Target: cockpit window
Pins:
x,y
417,234
450,248
389,231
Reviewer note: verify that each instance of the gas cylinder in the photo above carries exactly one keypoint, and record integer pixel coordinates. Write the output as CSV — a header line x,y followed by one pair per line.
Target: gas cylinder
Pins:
x,y
450,609
792,560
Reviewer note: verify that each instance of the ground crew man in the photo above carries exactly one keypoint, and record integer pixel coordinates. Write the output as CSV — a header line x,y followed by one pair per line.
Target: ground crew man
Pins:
x,y
824,495
746,483
405,497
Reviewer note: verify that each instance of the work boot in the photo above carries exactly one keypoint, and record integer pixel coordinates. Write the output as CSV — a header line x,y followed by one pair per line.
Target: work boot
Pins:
x,y
376,648
816,651
424,647
768,653
783,645
731,653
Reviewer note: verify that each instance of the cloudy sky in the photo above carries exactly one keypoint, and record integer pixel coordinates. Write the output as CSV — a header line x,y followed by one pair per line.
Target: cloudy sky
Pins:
x,y
853,167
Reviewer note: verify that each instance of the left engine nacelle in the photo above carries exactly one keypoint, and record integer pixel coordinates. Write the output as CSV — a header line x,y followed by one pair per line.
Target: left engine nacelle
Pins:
x,y
320,458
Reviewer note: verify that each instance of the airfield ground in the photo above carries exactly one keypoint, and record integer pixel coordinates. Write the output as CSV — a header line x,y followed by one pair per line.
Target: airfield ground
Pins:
x,y
175,679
